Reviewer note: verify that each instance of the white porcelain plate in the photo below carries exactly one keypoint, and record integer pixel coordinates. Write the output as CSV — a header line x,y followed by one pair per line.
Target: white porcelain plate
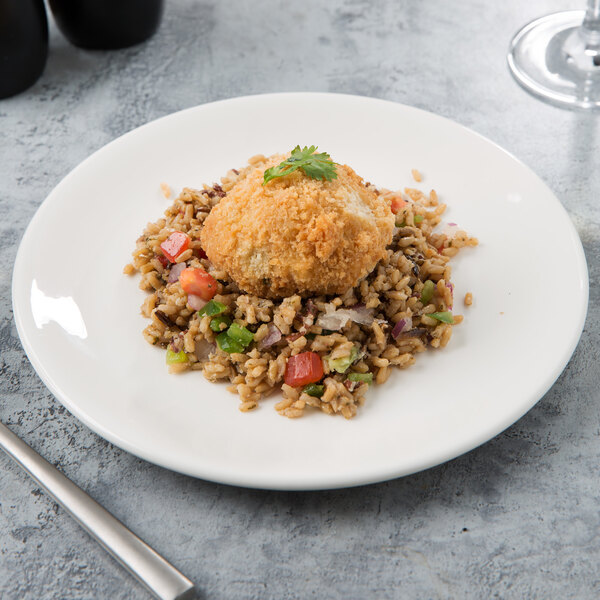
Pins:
x,y
79,320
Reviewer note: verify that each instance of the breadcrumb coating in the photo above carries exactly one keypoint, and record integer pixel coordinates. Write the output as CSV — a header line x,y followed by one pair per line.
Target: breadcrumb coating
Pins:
x,y
297,234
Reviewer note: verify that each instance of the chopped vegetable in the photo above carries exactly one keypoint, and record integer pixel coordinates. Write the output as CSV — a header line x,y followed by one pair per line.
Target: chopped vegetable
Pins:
x,y
361,377
341,365
398,204
203,349
195,302
198,282
419,218
174,245
444,317
303,368
273,336
212,309
240,334
316,166
336,319
175,271
163,260
220,323
314,389
228,344
176,357
401,326
427,292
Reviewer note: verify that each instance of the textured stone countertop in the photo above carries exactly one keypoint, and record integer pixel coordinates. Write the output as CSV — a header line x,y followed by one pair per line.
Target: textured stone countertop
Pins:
x,y
518,517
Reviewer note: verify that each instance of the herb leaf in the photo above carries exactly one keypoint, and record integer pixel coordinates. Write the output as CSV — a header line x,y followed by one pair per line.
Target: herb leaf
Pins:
x,y
316,166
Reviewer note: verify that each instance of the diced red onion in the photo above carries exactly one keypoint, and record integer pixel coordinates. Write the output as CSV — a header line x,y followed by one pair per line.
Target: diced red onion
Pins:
x,y
195,302
402,326
453,224
273,336
176,272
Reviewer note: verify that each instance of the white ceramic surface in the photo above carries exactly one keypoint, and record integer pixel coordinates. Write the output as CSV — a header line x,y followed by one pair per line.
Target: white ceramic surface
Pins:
x,y
78,315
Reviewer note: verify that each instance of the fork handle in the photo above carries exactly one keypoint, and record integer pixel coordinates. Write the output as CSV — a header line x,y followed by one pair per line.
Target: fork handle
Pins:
x,y
161,578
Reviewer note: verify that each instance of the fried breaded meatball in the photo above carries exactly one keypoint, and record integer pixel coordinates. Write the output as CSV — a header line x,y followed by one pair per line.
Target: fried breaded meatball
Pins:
x,y
297,234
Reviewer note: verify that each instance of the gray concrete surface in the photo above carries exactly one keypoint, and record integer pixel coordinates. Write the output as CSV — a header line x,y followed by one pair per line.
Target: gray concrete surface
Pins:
x,y
516,518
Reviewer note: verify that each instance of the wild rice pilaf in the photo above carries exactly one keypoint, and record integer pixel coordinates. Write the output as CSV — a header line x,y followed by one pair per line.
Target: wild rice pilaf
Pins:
x,y
400,309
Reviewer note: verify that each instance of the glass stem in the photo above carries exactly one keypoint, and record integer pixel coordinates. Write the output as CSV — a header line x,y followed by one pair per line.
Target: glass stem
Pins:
x,y
591,22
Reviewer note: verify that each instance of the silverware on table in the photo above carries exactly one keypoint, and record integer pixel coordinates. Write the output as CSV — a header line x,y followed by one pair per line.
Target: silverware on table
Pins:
x,y
161,578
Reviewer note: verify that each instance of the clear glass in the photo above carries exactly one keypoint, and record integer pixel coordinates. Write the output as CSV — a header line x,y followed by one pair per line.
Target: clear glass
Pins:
x,y
557,57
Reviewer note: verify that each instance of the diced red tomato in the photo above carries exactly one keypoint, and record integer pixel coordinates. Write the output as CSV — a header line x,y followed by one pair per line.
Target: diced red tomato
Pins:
x,y
303,368
398,204
163,260
174,245
198,282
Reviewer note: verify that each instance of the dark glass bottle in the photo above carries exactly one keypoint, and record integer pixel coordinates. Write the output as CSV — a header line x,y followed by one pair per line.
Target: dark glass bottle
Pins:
x,y
23,44
107,24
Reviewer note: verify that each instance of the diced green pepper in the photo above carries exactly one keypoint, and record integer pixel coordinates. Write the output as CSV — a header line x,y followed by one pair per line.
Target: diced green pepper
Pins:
x,y
341,365
419,218
403,224
444,317
220,323
240,334
212,309
314,389
427,292
176,357
361,377
228,344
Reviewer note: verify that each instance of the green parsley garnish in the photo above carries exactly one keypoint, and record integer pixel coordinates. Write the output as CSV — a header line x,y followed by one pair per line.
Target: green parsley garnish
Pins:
x,y
316,166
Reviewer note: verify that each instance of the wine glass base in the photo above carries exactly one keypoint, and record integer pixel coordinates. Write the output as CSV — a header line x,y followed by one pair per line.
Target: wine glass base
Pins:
x,y
540,62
